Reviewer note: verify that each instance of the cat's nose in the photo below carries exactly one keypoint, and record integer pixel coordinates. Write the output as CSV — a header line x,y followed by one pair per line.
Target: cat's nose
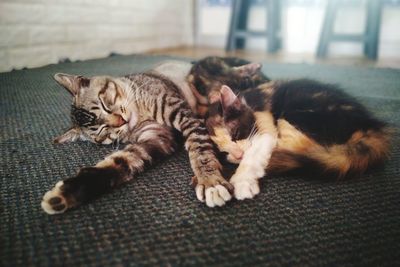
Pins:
x,y
121,121
237,154
235,151
117,121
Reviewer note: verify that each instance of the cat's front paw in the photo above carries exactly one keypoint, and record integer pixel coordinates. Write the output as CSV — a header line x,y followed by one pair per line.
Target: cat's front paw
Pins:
x,y
214,190
54,201
245,188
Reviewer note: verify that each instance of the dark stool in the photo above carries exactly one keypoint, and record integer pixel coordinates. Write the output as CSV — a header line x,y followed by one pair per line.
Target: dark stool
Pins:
x,y
238,31
370,37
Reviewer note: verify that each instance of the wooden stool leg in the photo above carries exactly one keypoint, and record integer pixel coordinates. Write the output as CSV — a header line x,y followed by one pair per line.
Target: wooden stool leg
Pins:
x,y
374,13
273,25
235,8
240,10
327,28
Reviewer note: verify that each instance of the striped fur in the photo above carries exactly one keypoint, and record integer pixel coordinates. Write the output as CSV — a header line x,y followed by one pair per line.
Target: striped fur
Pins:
x,y
141,110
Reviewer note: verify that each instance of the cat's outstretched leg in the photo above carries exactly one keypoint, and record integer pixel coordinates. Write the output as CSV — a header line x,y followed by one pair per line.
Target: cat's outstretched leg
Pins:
x,y
117,168
252,167
210,185
255,158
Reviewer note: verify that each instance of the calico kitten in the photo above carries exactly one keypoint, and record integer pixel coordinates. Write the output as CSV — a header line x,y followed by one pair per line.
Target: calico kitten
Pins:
x,y
140,110
293,126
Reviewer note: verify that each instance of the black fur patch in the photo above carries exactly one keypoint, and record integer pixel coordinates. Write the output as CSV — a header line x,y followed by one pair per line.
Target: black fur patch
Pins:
x,y
90,183
198,131
82,118
255,99
317,110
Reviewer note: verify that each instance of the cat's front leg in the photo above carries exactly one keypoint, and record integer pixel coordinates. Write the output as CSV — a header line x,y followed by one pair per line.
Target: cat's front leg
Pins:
x,y
252,167
117,168
210,186
89,183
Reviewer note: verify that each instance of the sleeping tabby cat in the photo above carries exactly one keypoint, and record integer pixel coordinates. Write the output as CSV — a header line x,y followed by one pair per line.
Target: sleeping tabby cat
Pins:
x,y
285,126
141,110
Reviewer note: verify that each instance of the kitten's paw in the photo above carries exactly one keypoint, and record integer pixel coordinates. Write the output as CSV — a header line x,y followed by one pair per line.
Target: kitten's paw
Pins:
x,y
213,191
53,201
246,189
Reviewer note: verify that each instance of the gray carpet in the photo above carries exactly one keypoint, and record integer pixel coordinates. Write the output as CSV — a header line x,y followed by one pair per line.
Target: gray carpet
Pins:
x,y
156,220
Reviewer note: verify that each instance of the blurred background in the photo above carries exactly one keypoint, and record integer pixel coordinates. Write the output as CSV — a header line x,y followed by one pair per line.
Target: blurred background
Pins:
x,y
353,32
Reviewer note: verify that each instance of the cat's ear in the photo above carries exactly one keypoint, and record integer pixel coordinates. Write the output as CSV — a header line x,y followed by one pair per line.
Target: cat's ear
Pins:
x,y
228,98
70,82
71,135
248,69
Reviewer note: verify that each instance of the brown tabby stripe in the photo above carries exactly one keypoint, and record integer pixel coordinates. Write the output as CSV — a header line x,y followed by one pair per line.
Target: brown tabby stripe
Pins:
x,y
155,109
172,87
104,88
172,115
163,104
187,124
198,131
202,142
84,82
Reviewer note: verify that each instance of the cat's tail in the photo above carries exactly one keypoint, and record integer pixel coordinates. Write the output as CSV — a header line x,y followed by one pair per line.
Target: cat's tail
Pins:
x,y
362,151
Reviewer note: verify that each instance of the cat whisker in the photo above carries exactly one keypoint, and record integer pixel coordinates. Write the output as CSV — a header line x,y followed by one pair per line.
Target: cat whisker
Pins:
x,y
130,93
117,141
253,132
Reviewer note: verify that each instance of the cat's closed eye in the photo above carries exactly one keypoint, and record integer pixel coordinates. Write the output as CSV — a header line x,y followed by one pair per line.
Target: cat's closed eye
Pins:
x,y
104,106
102,128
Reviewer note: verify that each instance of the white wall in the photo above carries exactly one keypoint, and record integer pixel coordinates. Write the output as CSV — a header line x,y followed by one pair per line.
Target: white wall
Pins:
x,y
301,26
39,32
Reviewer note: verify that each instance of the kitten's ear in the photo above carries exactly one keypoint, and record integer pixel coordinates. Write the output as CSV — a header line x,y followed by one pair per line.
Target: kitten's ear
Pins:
x,y
69,82
248,69
228,98
71,135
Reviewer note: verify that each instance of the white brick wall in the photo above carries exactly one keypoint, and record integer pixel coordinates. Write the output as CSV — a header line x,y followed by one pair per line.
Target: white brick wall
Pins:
x,y
38,32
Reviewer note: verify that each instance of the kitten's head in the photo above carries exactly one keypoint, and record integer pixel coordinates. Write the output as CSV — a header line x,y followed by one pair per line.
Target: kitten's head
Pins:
x,y
209,74
238,125
99,112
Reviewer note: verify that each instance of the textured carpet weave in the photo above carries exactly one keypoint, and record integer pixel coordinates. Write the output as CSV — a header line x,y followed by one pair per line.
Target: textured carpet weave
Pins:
x,y
156,220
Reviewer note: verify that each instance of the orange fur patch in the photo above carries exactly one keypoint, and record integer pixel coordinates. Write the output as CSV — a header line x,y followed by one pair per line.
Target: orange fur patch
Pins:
x,y
267,88
361,151
265,123
292,139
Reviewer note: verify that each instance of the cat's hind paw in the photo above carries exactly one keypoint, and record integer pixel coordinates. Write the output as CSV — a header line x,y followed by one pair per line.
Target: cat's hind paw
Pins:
x,y
246,189
53,201
214,192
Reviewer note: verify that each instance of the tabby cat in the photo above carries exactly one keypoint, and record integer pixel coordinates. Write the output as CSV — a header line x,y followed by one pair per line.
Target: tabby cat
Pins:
x,y
141,110
286,126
